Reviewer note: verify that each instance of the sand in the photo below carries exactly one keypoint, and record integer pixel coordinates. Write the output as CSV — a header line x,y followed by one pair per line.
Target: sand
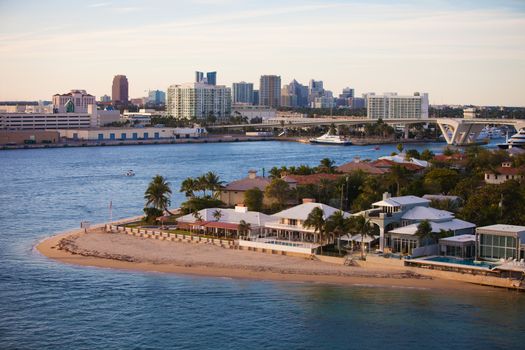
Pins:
x,y
120,251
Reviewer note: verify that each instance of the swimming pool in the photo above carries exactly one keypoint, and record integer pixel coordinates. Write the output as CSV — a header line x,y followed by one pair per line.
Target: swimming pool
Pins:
x,y
459,261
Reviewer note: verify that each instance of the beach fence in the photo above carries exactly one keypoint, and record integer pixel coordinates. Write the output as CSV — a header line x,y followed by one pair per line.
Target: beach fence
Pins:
x,y
168,236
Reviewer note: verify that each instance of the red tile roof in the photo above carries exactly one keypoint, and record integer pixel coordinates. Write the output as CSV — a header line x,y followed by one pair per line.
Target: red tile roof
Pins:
x,y
387,164
510,170
247,184
310,179
365,167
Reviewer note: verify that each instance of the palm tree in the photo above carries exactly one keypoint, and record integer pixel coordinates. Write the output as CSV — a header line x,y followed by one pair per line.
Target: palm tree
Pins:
x,y
316,221
243,228
217,215
398,175
362,226
327,165
337,225
213,183
158,194
189,186
424,232
201,184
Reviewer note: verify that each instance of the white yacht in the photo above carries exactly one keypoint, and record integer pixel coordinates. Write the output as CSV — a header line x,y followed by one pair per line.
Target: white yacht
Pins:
x,y
516,140
328,139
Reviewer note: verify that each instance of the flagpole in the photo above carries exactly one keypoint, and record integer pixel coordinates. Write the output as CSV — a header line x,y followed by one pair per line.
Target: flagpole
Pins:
x,y
110,211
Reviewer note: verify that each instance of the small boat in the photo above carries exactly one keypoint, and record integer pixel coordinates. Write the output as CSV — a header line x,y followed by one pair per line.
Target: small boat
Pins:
x,y
377,148
130,173
328,139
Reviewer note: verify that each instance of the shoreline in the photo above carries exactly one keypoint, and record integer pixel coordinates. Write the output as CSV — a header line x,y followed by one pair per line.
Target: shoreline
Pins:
x,y
233,138
389,277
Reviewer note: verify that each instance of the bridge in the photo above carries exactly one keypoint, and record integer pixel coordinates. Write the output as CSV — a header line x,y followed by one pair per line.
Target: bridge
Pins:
x,y
456,131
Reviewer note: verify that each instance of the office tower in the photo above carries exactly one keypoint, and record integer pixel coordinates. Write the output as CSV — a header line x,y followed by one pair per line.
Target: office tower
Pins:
x,y
294,95
256,97
347,93
211,78
120,88
105,99
242,93
156,97
394,106
270,91
198,100
315,89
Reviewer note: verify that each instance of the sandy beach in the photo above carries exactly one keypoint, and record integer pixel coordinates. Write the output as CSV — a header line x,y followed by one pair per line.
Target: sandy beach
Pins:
x,y
119,251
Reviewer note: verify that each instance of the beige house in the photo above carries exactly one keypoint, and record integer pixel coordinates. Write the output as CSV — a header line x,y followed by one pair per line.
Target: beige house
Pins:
x,y
504,173
233,193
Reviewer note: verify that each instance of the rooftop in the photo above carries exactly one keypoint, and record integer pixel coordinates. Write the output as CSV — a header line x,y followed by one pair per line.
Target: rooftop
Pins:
x,y
233,216
365,167
310,179
460,238
301,211
400,201
503,228
453,225
427,213
248,183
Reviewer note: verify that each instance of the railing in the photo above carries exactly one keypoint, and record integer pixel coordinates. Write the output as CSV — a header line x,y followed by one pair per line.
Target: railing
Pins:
x,y
170,236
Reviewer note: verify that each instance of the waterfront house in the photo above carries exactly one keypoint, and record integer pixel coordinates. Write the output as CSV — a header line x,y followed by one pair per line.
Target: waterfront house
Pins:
x,y
403,159
500,241
504,173
462,246
227,223
387,164
312,179
289,224
233,193
399,217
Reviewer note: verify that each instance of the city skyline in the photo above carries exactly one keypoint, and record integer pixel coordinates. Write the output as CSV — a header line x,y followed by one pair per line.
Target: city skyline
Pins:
x,y
459,52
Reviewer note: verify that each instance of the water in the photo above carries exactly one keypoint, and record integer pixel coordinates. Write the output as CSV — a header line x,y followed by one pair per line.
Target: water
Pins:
x,y
49,305
468,262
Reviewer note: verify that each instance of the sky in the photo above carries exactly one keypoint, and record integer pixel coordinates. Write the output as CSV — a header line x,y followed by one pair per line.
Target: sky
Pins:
x,y
460,52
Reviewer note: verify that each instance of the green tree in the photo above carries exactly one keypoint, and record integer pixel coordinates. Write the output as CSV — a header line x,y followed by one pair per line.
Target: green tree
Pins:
x,y
362,226
278,190
213,183
317,221
253,199
337,225
243,228
326,165
189,186
424,232
441,180
158,194
398,176
413,153
400,147
427,155
217,215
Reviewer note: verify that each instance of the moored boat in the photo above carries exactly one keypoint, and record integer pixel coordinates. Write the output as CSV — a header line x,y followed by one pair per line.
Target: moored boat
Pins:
x,y
328,139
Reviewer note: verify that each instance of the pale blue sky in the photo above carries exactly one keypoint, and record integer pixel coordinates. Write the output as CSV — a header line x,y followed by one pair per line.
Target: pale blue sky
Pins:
x,y
458,51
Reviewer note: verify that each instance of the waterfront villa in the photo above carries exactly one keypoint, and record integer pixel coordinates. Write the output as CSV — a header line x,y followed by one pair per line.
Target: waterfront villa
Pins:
x,y
403,159
312,179
462,246
399,217
289,224
504,173
500,241
363,166
219,221
233,193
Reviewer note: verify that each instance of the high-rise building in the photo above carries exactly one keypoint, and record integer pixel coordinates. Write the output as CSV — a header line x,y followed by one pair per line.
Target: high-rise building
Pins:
x,y
256,97
211,78
394,106
156,97
105,98
120,90
198,100
270,91
76,101
242,93
294,95
315,89
347,93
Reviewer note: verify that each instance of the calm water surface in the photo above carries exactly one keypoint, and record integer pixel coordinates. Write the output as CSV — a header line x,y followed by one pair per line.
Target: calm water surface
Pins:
x,y
48,305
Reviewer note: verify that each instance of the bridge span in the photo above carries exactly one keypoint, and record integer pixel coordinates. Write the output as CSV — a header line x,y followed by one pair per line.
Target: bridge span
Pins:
x,y
456,131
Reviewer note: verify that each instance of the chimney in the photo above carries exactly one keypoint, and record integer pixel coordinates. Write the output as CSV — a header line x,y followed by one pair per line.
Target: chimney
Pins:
x,y
386,195
252,174
308,200
240,208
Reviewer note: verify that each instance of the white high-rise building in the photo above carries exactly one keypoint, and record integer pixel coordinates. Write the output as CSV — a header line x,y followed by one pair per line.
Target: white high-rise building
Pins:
x,y
198,100
394,106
